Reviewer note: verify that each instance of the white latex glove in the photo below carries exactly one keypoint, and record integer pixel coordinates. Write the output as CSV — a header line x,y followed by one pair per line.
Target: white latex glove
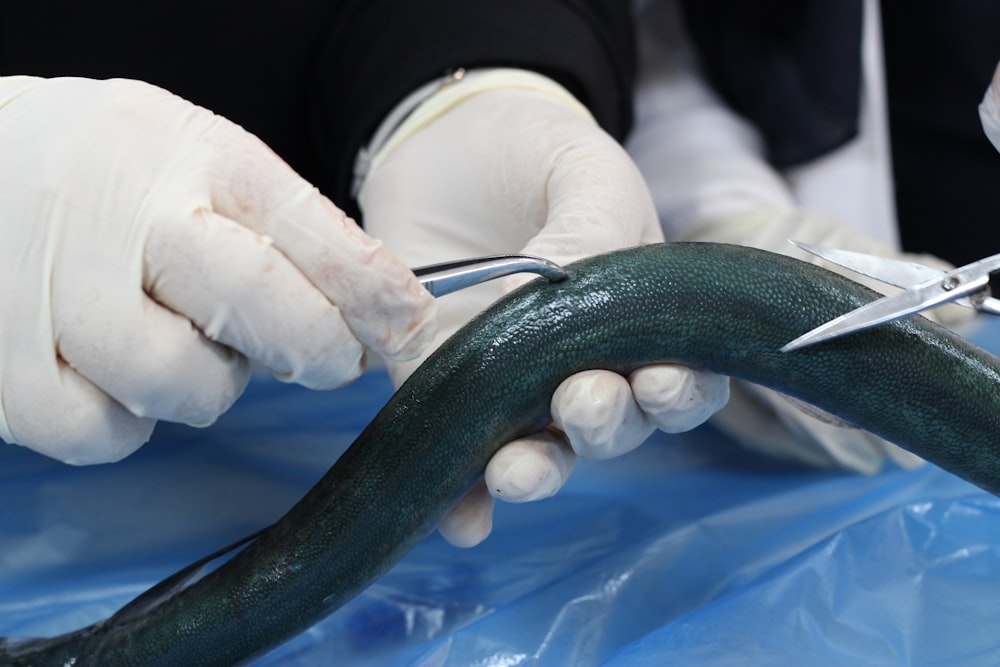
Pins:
x,y
148,249
507,161
763,419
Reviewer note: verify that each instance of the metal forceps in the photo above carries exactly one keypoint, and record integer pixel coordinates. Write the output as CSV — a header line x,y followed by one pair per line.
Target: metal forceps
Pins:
x,y
924,287
441,279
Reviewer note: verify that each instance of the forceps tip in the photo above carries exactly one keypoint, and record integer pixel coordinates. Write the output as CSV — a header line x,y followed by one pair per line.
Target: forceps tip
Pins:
x,y
441,279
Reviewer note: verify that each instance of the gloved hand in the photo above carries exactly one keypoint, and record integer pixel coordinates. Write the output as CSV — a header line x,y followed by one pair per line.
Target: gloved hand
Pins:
x,y
148,250
763,419
506,161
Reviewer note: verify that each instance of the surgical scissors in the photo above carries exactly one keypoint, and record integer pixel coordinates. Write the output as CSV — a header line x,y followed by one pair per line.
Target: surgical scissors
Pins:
x,y
924,287
441,279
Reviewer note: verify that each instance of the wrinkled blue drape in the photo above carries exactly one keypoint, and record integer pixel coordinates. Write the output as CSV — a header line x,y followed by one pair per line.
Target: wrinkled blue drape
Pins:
x,y
688,551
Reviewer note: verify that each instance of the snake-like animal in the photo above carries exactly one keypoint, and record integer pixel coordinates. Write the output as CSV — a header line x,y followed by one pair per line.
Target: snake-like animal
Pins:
x,y
726,309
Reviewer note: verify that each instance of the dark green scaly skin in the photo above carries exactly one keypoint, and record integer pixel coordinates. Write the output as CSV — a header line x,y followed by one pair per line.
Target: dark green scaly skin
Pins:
x,y
722,308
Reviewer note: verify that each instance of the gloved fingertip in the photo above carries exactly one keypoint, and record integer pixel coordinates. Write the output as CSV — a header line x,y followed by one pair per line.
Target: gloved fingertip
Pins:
x,y
677,398
116,441
67,418
415,337
212,390
331,376
471,519
529,469
596,411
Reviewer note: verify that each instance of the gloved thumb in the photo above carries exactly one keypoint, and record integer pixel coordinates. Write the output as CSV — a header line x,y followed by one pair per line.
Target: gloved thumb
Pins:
x,y
597,202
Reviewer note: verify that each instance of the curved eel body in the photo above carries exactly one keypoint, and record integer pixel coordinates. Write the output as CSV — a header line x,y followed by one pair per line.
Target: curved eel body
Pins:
x,y
727,309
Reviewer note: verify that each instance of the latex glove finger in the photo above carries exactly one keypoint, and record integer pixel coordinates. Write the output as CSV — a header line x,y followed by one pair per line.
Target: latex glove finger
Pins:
x,y
470,521
599,415
598,408
244,293
605,415
98,428
597,411
529,468
676,398
172,372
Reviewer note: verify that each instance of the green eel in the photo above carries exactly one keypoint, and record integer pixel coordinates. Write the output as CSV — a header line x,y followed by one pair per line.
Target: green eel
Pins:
x,y
727,309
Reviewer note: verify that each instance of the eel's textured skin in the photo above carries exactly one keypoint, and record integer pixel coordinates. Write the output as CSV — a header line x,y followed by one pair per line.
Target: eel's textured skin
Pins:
x,y
727,309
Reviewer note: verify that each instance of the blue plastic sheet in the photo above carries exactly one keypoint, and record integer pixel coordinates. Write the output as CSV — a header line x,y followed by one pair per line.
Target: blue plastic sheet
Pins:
x,y
688,551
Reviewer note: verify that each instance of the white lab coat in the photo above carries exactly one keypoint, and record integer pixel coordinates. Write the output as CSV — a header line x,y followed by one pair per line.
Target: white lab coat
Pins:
x,y
703,161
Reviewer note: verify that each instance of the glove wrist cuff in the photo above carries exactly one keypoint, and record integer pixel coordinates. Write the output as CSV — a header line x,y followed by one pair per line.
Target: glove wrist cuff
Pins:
x,y
741,227
12,87
433,100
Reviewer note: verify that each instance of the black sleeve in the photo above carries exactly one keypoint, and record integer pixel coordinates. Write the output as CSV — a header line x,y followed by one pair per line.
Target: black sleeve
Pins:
x,y
939,60
381,50
792,68
252,62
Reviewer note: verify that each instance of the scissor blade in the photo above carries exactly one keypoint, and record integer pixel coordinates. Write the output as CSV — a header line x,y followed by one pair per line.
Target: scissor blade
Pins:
x,y
889,308
889,270
901,273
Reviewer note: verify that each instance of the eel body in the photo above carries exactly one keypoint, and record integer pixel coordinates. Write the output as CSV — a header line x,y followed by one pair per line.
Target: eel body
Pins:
x,y
727,309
